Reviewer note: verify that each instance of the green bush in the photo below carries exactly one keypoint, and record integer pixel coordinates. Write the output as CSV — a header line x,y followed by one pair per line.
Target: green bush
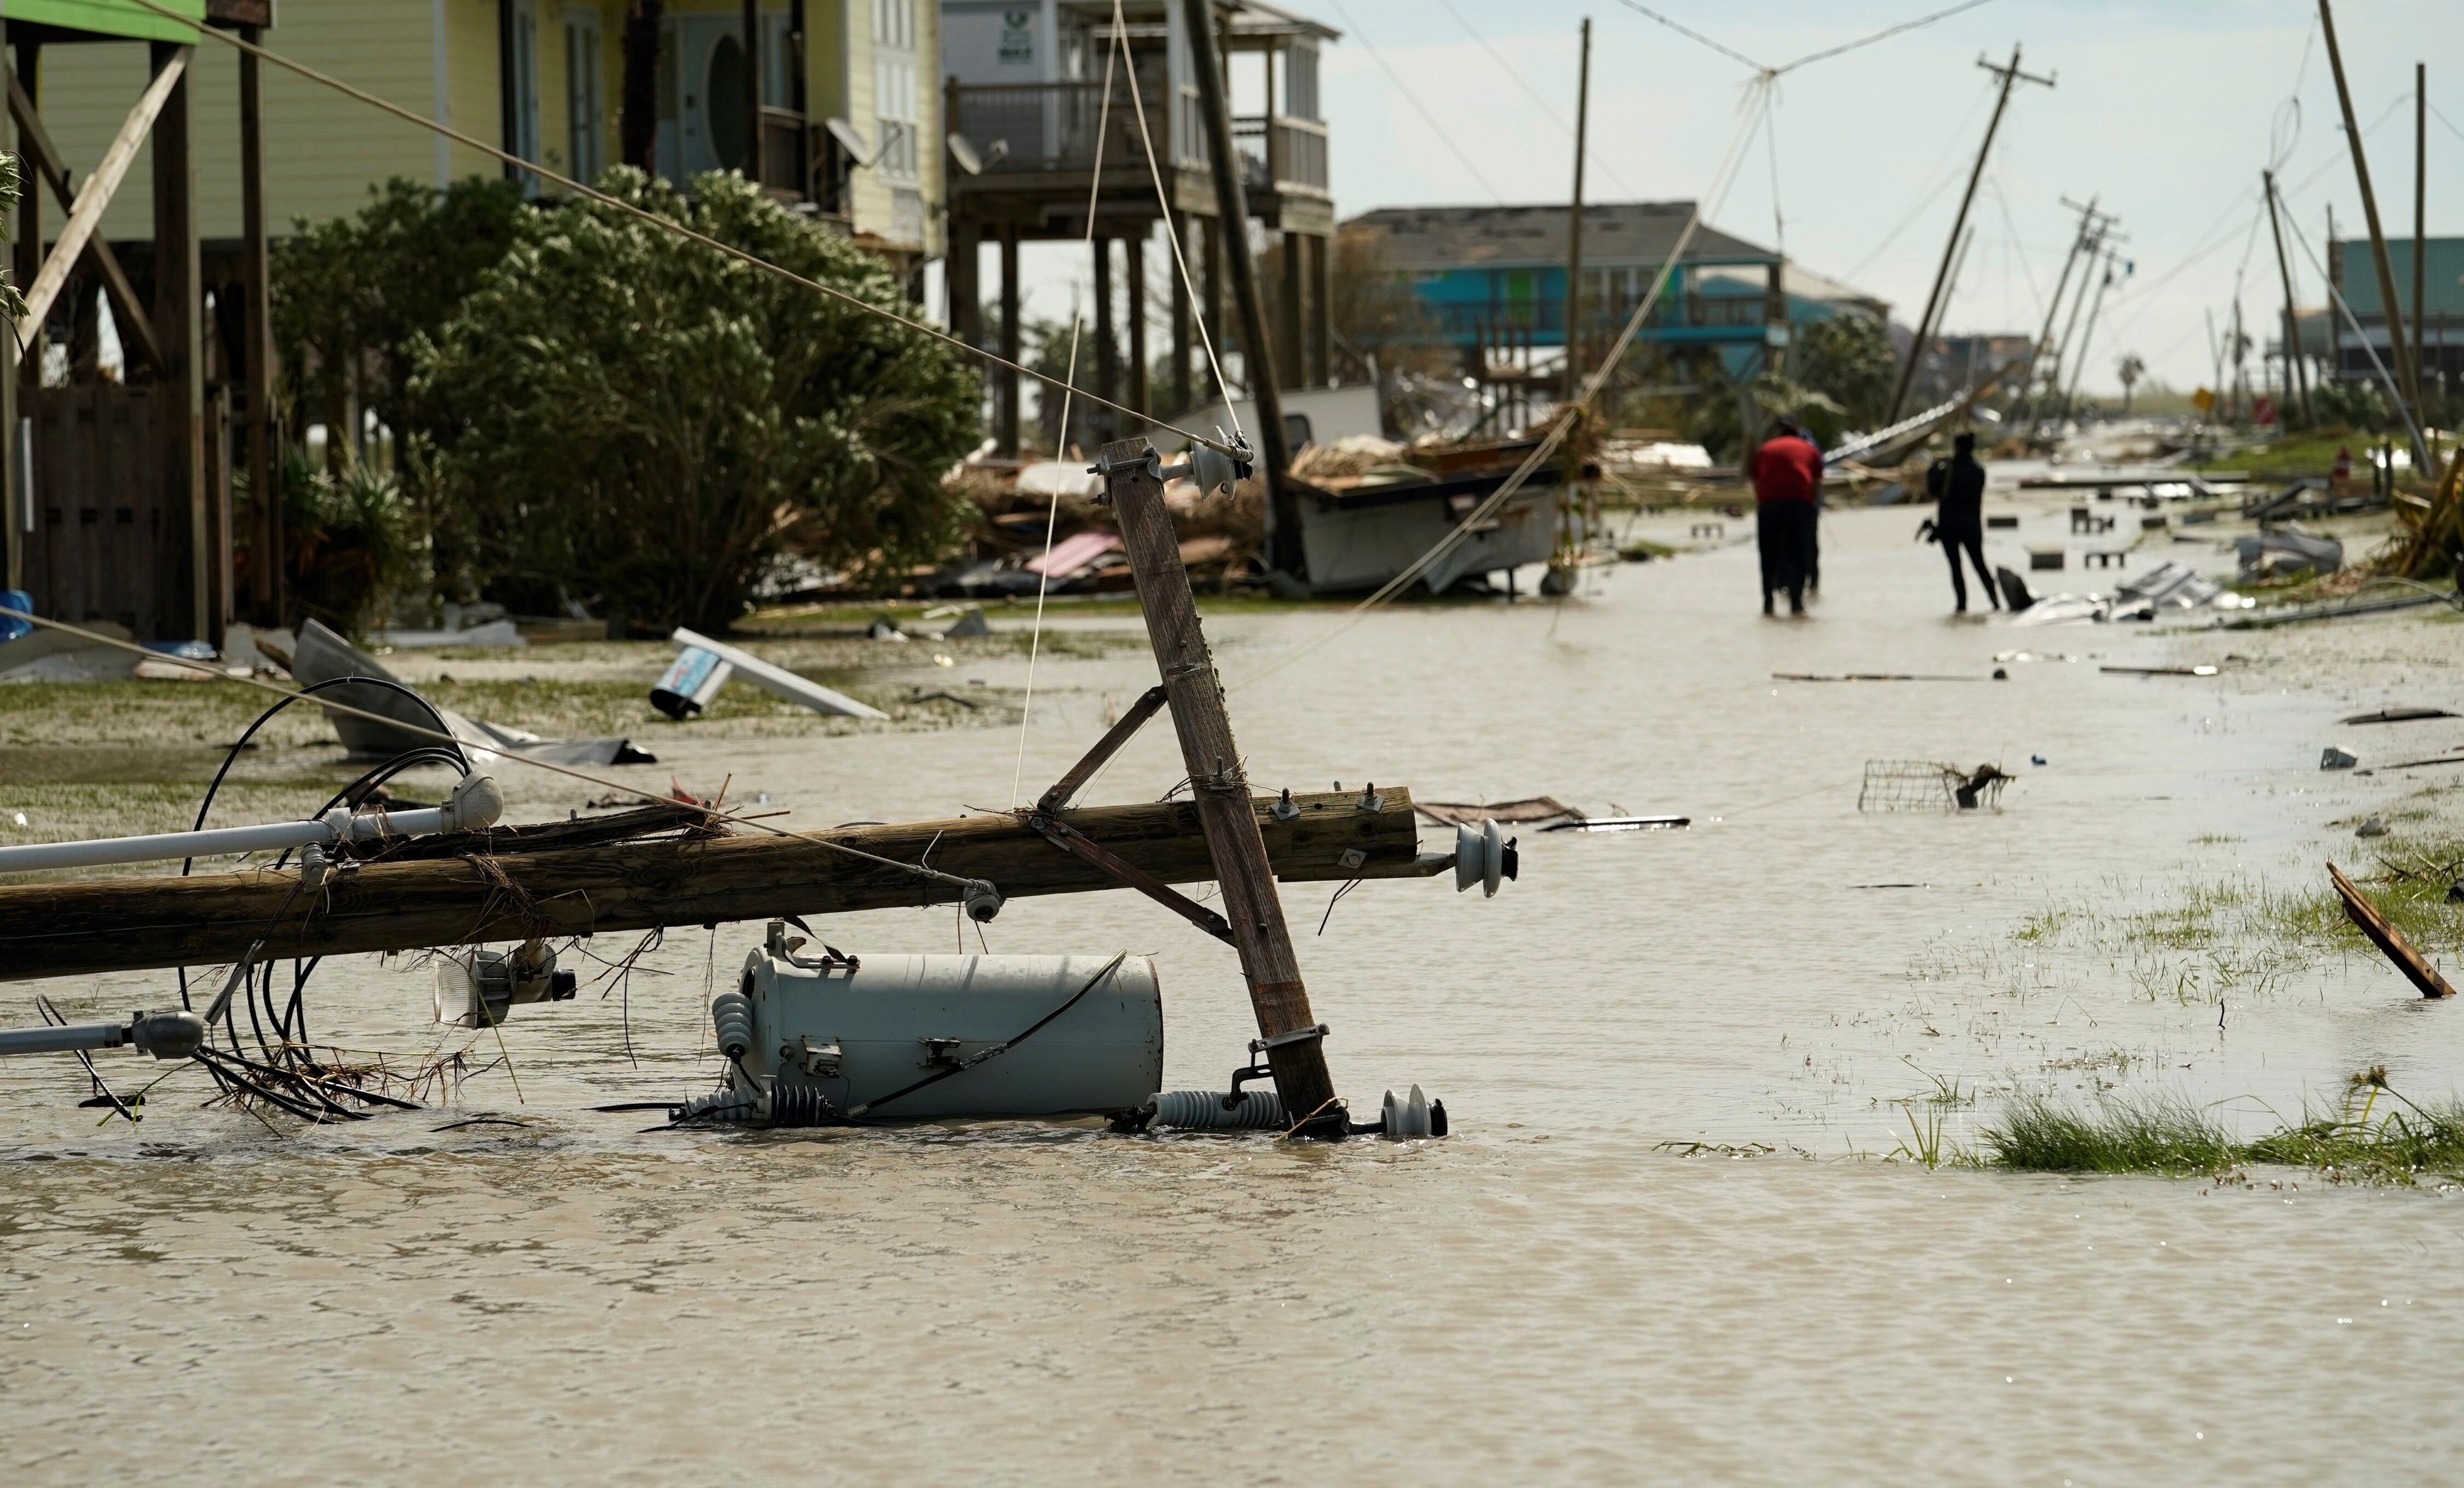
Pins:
x,y
626,414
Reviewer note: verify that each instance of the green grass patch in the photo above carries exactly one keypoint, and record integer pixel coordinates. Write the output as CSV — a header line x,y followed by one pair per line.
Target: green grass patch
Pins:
x,y
2376,1136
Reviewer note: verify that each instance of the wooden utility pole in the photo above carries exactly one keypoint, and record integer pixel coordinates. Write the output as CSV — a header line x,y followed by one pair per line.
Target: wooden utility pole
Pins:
x,y
2011,76
1257,353
577,879
2299,371
1575,221
2090,221
2397,343
1294,1050
2078,371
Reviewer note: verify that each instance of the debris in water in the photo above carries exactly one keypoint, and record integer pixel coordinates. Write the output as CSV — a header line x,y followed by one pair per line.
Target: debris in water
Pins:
x,y
2333,758
2373,828
1879,676
1537,811
2387,938
324,657
1621,824
779,681
2397,716
1929,786
2198,671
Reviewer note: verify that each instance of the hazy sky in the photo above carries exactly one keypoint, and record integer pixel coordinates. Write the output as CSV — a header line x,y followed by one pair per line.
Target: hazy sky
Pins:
x,y
2167,111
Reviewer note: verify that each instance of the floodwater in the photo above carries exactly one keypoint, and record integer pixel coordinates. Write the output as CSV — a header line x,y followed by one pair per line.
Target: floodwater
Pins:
x,y
1551,1293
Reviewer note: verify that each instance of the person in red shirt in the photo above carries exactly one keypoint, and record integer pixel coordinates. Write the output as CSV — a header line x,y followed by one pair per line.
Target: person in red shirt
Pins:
x,y
1787,472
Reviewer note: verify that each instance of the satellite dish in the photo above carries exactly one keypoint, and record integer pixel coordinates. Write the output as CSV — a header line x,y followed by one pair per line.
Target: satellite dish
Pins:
x,y
851,140
965,155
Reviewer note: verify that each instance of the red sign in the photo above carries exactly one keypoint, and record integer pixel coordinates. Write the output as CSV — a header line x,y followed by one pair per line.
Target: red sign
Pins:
x,y
2262,410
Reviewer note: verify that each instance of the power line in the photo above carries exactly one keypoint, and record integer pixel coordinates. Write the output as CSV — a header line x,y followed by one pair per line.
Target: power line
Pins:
x,y
667,224
1413,98
1534,95
1881,36
1695,35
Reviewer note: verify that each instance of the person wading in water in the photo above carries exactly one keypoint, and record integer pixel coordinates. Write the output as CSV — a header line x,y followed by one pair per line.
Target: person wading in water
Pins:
x,y
1788,476
1957,487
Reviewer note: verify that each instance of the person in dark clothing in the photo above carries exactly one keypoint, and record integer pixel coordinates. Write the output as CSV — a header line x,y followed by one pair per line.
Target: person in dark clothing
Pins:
x,y
1958,489
1787,472
1813,533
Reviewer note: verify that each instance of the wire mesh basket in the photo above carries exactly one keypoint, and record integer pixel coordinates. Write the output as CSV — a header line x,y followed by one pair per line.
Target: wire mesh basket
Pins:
x,y
1930,785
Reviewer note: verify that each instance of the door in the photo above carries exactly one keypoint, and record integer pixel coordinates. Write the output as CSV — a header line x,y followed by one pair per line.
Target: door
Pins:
x,y
710,124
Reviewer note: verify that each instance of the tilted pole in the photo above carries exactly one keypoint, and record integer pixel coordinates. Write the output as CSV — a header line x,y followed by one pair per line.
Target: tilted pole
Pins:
x,y
2300,373
1221,789
1575,218
2009,75
2061,286
1257,352
2420,200
2079,369
2400,357
2070,325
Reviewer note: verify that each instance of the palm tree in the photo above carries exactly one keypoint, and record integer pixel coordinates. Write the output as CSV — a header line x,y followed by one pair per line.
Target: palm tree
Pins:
x,y
2130,369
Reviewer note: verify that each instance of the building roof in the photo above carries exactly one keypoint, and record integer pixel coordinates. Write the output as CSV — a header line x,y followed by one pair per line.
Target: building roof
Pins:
x,y
1614,232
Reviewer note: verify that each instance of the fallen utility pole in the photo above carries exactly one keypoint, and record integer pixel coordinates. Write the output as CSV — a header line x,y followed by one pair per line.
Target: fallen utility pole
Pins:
x,y
503,893
1575,219
1257,353
2398,345
2294,358
2384,935
1291,1036
2011,76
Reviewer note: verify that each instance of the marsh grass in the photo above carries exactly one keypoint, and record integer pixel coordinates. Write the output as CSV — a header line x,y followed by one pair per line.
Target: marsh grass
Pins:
x,y
2376,1136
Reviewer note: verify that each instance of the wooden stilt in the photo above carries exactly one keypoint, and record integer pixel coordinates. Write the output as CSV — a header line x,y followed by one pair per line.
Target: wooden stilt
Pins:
x,y
1213,759
1107,345
179,325
1133,265
267,599
1322,307
1293,363
1005,432
1182,395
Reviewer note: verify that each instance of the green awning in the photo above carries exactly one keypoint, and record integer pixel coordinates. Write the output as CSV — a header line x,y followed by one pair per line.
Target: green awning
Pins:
x,y
108,18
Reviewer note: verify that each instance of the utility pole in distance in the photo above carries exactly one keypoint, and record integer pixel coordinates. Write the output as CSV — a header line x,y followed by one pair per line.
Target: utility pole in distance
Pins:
x,y
2089,217
1575,219
2397,344
1257,353
2009,75
2420,196
2298,364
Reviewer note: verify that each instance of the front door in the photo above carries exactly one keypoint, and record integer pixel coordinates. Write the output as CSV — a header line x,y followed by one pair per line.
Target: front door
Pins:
x,y
710,126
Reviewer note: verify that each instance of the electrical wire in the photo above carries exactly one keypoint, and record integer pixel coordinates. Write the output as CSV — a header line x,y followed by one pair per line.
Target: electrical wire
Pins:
x,y
1604,167
644,214
1077,324
1414,98
1723,178
1811,58
212,670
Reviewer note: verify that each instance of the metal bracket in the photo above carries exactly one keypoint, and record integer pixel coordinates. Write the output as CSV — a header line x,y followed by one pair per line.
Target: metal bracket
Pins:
x,y
821,1062
1298,1035
940,1053
1069,839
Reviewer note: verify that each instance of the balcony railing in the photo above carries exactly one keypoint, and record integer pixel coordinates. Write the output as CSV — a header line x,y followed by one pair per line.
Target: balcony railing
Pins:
x,y
1051,126
1548,317
1281,154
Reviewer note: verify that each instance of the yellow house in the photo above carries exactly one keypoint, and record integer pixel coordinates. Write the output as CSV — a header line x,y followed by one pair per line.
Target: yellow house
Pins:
x,y
848,113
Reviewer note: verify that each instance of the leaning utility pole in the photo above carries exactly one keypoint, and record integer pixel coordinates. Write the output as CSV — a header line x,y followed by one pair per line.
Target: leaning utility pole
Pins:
x,y
2397,344
1257,354
2009,75
2088,217
2296,362
1575,219
1288,1034
2070,326
2069,399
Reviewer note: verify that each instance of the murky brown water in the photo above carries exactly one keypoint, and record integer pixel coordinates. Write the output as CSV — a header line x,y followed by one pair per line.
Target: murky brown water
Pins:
x,y
1547,1295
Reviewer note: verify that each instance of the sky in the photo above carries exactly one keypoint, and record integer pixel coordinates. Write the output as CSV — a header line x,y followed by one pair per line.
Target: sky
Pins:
x,y
2166,112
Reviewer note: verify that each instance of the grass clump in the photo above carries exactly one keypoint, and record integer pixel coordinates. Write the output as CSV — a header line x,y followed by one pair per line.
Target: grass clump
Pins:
x,y
2168,1136
2149,1134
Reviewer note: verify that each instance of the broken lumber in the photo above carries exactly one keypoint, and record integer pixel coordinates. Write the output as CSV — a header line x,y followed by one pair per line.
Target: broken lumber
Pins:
x,y
130,924
2389,938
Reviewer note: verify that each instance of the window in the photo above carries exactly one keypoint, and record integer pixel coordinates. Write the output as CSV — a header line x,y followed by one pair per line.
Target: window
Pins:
x,y
893,89
584,124
522,94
